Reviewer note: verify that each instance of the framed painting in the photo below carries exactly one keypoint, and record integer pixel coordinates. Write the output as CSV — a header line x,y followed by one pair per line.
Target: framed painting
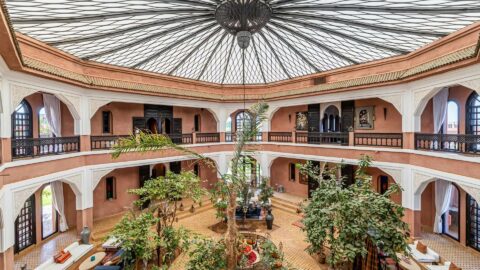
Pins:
x,y
301,121
364,117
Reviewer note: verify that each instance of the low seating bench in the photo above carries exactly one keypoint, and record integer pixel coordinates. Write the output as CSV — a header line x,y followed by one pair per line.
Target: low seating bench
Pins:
x,y
76,249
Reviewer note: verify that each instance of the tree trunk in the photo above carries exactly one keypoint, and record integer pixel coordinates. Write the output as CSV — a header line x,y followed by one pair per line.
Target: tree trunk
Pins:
x,y
231,235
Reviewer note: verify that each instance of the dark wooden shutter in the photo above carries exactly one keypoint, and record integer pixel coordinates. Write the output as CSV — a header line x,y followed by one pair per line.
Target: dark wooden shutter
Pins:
x,y
177,125
348,113
313,117
139,123
176,166
348,175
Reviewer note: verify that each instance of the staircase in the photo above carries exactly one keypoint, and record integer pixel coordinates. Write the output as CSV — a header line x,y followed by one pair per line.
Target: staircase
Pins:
x,y
285,205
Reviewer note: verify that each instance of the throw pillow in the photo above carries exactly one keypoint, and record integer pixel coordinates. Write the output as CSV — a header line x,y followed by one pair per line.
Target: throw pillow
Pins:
x,y
421,247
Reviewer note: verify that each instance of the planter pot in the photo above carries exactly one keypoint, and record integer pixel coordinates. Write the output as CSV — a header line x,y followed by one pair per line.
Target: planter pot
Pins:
x,y
85,235
322,258
269,220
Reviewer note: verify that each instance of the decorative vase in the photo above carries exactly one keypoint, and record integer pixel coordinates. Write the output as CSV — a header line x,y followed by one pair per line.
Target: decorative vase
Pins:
x,y
269,219
85,235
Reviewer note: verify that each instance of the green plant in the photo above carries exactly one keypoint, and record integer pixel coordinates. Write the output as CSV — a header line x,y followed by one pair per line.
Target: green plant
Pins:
x,y
137,238
206,253
344,217
266,191
173,240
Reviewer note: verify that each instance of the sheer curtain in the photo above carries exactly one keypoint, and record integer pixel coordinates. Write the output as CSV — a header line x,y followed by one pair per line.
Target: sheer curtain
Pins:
x,y
58,203
53,113
440,103
443,195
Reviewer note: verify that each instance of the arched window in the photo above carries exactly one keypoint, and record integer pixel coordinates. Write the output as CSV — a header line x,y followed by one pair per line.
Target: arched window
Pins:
x,y
473,114
331,119
473,223
243,120
452,118
22,129
44,130
451,218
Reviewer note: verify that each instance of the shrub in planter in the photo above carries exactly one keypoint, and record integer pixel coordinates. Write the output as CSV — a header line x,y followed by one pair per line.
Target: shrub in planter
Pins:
x,y
206,253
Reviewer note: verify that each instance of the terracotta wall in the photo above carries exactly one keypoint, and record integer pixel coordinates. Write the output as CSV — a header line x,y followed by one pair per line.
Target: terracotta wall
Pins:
x,y
126,178
122,114
207,120
284,119
376,173
389,123
459,94
36,102
207,174
280,175
428,207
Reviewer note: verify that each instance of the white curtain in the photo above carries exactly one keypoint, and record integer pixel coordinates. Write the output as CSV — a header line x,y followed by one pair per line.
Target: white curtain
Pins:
x,y
58,203
440,102
443,195
53,113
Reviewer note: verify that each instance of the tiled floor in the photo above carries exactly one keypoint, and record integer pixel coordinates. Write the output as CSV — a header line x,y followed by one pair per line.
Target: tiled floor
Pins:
x,y
42,252
451,250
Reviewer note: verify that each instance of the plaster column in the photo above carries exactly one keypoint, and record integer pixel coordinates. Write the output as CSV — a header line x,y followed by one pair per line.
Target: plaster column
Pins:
x,y
85,143
6,151
413,218
409,140
7,261
351,138
84,219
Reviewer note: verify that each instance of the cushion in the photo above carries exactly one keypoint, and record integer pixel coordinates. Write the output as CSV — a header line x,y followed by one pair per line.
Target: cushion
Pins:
x,y
454,267
421,247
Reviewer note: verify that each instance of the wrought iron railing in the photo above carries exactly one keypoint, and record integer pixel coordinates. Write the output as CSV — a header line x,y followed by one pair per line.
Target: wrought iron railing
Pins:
x,y
340,138
379,139
232,137
280,137
186,138
460,143
105,142
34,147
208,137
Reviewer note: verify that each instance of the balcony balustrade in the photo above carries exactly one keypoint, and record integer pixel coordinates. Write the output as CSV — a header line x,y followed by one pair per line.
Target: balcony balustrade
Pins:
x,y
232,137
338,138
379,139
105,142
284,137
207,137
458,143
35,147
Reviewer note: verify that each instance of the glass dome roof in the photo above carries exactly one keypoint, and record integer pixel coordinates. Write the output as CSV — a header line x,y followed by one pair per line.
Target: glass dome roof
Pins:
x,y
183,38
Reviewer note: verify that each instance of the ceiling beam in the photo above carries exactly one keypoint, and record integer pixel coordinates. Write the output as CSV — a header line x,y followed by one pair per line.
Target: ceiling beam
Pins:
x,y
313,41
144,39
200,44
211,55
275,54
228,59
258,59
129,29
163,50
376,27
340,34
112,15
363,8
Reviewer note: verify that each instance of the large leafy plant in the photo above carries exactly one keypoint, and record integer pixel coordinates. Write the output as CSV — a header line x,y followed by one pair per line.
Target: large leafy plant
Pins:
x,y
343,217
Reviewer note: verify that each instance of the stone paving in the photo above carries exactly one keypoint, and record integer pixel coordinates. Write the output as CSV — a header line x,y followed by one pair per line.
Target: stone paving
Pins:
x,y
292,238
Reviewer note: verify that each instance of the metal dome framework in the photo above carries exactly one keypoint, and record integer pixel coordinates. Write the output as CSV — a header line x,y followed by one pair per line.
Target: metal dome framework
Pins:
x,y
183,37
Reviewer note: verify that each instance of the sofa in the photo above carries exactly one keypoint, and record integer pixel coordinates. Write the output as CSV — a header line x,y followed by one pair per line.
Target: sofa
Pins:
x,y
76,249
430,257
445,266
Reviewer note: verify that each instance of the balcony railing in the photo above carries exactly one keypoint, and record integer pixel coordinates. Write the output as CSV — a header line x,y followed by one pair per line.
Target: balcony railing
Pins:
x,y
280,137
232,137
181,138
459,143
208,137
105,142
339,138
379,139
35,147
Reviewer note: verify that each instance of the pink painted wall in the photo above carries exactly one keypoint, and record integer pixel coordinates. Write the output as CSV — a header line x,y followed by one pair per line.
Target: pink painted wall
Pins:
x,y
122,114
126,178
284,119
428,207
207,120
207,175
391,123
280,175
376,173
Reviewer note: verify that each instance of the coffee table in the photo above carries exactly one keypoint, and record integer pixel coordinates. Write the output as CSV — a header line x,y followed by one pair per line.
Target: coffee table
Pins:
x,y
88,264
410,265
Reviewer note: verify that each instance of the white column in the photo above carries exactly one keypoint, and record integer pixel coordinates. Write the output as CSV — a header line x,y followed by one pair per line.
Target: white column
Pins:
x,y
5,116
410,123
83,125
7,231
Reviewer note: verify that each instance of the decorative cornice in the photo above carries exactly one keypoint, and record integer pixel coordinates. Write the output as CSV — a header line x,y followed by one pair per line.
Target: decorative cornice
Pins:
x,y
137,87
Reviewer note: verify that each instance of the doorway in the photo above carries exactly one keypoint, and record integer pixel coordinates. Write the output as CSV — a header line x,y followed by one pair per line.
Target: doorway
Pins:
x,y
48,213
152,125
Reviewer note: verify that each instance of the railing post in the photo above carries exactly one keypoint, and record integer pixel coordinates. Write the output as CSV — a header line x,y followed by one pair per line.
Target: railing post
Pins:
x,y
6,150
351,138
264,136
294,136
85,143
222,137
194,138
409,140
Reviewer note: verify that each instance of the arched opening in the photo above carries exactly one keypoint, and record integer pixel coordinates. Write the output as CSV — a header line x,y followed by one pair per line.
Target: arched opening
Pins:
x,y
44,129
228,125
249,169
451,218
25,230
473,114
152,125
331,119
452,118
243,121
22,128
48,213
